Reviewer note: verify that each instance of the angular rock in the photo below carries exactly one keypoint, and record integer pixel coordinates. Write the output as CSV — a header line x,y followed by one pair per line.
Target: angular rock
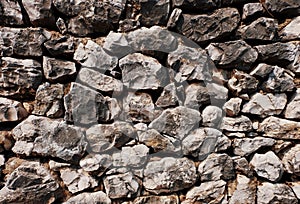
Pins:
x,y
233,54
61,25
104,137
91,198
286,8
11,13
176,122
174,18
233,106
154,12
56,70
203,141
268,193
99,81
278,53
92,55
245,191
216,167
117,44
211,115
46,137
242,83
207,192
167,199
191,63
11,111
265,105
168,97
96,163
56,166
61,46
237,124
39,12
292,109
252,10
19,78
262,70
169,175
241,165
198,5
85,106
268,166
246,146
296,188
291,160
49,100
77,180
292,30
207,27
6,140
30,182
143,72
122,185
280,128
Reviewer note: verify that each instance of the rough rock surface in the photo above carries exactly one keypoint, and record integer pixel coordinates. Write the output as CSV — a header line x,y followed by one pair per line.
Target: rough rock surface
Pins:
x,y
11,111
245,190
232,107
242,83
91,198
11,13
291,160
171,199
154,12
237,124
246,146
291,31
292,111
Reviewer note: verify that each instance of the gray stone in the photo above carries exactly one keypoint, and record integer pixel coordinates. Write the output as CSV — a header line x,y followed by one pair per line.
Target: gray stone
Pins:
x,y
19,78
264,29
56,70
154,12
206,27
199,5
246,146
46,137
203,141
265,105
56,166
280,128
267,166
241,165
242,83
99,81
212,115
237,124
142,72
292,109
174,18
262,70
104,137
291,160
96,163
278,53
233,106
122,185
30,182
77,180
191,63
287,8
176,122
208,192
169,174
252,10
11,111
70,8
292,30
245,191
233,54
85,106
113,107
11,13
91,198
61,46
168,97
117,44
49,100
296,188
216,167
268,193
165,199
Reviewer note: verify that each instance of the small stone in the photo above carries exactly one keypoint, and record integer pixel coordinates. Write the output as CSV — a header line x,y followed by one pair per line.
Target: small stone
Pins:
x,y
103,137
61,25
117,44
278,128
264,29
154,12
267,166
11,13
169,175
241,83
245,191
292,109
206,27
216,167
211,115
91,198
207,192
203,141
265,105
233,54
77,180
233,106
49,100
168,97
174,18
237,124
291,160
167,199
11,111
292,30
252,10
61,46
268,193
96,162
262,70
56,70
241,165
142,72
246,146
19,78
122,185
176,122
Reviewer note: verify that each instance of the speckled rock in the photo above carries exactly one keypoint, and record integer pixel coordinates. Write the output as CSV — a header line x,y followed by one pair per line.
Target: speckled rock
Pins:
x,y
246,146
252,10
212,115
11,13
11,111
233,106
291,160
118,44
292,30
242,83
96,163
245,190
289,8
167,199
292,111
61,46
200,5
169,97
154,12
237,124
91,198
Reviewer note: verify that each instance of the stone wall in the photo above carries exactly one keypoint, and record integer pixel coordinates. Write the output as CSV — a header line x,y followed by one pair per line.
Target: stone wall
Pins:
x,y
149,101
